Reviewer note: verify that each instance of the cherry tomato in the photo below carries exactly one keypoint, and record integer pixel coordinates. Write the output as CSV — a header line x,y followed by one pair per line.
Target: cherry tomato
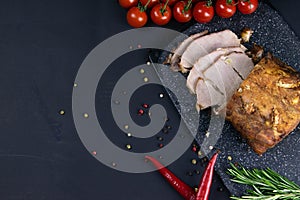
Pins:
x,y
171,2
247,6
151,3
225,8
182,12
136,17
128,3
161,14
203,12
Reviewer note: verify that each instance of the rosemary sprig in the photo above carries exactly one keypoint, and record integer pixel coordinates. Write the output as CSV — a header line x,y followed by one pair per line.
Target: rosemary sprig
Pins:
x,y
266,183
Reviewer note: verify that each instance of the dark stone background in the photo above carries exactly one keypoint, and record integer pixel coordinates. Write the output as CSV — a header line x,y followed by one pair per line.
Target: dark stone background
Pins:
x,y
42,44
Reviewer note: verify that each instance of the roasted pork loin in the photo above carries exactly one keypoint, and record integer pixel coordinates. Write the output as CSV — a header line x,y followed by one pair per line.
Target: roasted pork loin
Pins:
x,y
266,107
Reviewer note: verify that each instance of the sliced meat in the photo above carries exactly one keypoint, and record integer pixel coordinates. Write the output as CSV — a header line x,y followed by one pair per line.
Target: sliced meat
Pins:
x,y
205,45
207,95
205,62
222,79
175,59
241,63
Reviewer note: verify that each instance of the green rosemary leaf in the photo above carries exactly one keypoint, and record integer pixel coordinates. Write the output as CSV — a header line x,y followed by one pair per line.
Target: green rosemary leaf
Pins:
x,y
266,183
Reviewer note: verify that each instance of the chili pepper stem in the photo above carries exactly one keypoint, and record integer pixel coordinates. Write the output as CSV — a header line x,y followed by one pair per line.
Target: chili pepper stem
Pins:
x,y
206,180
183,189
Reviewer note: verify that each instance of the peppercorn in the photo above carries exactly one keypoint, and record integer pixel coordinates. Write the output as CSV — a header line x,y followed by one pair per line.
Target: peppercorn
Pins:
x,y
141,112
145,105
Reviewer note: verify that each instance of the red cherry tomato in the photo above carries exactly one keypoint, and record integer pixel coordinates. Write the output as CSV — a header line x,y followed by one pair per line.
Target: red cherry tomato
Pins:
x,y
247,6
151,3
203,12
225,8
136,17
171,2
128,3
161,14
182,12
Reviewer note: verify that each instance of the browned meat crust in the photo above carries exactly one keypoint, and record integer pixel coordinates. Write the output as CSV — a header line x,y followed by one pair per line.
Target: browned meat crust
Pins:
x,y
266,107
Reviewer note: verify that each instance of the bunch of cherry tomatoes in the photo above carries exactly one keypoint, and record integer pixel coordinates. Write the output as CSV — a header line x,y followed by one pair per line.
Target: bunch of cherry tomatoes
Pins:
x,y
161,11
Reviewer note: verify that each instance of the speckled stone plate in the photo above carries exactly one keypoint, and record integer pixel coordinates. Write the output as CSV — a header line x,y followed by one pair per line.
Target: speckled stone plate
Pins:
x,y
272,32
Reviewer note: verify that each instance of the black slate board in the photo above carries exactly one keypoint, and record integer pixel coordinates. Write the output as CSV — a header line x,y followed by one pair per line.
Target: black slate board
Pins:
x,y
272,32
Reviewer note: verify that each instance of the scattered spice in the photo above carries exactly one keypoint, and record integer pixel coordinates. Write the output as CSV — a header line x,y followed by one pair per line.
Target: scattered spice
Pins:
x,y
220,189
165,130
128,146
62,112
145,105
194,149
142,71
129,135
146,79
141,112
196,189
194,161
229,158
113,164
199,153
189,173
197,172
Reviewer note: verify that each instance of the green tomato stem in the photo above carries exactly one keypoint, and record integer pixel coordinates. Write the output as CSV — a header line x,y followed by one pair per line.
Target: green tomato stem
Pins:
x,y
163,10
229,2
187,6
143,8
209,3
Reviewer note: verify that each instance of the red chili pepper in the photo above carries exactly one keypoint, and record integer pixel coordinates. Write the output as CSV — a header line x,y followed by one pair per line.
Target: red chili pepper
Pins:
x,y
184,190
206,180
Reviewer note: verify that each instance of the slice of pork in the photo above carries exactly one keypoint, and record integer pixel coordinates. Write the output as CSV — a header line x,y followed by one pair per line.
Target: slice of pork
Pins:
x,y
241,63
225,75
207,95
206,44
206,61
175,59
